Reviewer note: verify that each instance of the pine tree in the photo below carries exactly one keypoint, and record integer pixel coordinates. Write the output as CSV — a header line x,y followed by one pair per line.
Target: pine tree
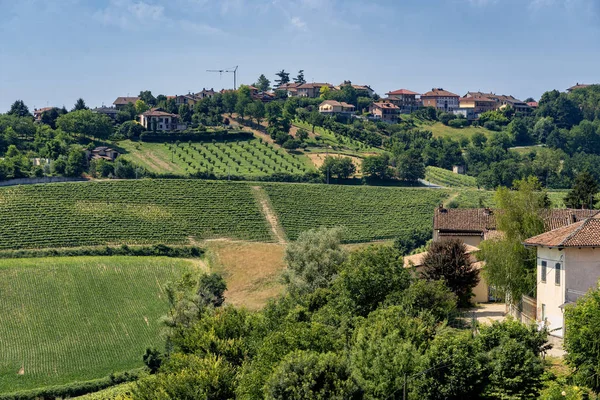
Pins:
x,y
300,78
284,77
583,194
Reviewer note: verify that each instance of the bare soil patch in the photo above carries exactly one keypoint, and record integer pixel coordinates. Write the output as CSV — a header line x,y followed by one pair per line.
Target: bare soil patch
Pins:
x,y
319,158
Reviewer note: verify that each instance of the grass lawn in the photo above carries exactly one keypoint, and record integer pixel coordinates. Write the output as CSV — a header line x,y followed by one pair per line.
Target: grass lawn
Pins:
x,y
80,318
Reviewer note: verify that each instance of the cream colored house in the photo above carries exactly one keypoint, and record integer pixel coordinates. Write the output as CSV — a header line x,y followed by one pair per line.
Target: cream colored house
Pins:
x,y
568,265
159,120
481,291
336,107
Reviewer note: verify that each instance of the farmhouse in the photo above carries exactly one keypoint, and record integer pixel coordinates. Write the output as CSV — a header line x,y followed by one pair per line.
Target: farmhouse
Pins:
x,y
404,99
332,107
384,111
102,152
361,90
312,90
121,102
441,99
291,89
473,225
568,265
110,112
160,120
38,112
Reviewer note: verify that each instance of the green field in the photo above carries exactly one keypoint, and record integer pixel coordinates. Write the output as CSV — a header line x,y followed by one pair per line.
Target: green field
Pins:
x,y
440,130
366,213
132,212
443,177
250,158
80,318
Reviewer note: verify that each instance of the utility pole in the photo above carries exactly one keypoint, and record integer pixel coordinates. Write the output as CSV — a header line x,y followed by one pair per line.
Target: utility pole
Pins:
x,y
228,70
404,388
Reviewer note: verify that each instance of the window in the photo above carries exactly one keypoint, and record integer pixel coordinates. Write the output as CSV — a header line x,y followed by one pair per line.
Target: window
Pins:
x,y
544,271
543,312
557,274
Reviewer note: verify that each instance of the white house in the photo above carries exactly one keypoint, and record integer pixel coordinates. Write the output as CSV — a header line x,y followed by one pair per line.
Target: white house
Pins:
x,y
159,120
568,265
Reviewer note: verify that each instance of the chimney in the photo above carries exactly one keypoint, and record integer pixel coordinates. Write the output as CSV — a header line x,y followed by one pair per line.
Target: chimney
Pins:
x,y
573,218
487,211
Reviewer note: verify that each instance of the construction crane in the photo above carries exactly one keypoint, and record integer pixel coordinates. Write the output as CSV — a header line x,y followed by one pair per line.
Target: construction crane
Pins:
x,y
229,70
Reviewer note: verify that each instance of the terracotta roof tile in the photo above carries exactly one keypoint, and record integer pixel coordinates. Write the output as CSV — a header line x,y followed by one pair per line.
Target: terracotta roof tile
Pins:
x,y
482,220
439,93
402,91
125,100
580,234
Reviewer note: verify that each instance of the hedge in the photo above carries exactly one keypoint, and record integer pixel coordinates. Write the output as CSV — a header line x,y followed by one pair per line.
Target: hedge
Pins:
x,y
75,388
124,250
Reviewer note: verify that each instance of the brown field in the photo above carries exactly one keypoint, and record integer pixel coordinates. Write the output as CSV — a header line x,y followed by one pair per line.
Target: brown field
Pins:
x,y
319,158
252,270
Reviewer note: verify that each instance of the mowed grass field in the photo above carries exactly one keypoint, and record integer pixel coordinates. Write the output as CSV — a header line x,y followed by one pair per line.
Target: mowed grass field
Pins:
x,y
80,318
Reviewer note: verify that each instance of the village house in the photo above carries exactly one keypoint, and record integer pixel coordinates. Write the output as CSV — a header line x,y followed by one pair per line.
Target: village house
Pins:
x,y
110,112
186,99
481,292
312,90
361,90
384,111
121,102
333,107
502,101
160,120
479,104
473,225
291,89
38,112
568,265
406,100
204,94
265,97
533,104
102,152
441,99
578,86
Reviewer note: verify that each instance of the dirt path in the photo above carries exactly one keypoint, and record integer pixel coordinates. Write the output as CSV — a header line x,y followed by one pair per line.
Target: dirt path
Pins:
x,y
269,214
163,165
452,197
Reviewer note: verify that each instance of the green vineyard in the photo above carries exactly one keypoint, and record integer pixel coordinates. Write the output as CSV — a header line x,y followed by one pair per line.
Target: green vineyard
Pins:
x,y
443,177
366,213
132,212
80,318
246,158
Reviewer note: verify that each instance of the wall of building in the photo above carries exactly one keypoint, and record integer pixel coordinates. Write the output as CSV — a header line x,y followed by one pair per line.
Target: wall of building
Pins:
x,y
550,296
582,271
474,240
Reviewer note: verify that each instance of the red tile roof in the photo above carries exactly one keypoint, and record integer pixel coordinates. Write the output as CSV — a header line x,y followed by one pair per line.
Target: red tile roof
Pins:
x,y
578,86
385,105
122,101
337,103
402,91
580,234
158,113
481,220
314,85
439,92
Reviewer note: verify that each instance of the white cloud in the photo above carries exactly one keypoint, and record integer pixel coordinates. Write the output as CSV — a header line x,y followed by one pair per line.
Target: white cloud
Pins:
x,y
298,23
482,3
135,15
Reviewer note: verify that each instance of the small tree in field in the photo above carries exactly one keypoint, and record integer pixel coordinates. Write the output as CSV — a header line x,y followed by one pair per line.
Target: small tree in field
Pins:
x,y
449,261
210,290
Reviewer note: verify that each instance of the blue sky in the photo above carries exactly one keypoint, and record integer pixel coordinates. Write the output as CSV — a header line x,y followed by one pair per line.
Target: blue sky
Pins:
x,y
54,51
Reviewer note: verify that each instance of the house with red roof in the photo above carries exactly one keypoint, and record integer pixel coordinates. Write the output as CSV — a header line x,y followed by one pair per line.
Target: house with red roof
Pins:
x,y
441,99
405,99
384,111
568,266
